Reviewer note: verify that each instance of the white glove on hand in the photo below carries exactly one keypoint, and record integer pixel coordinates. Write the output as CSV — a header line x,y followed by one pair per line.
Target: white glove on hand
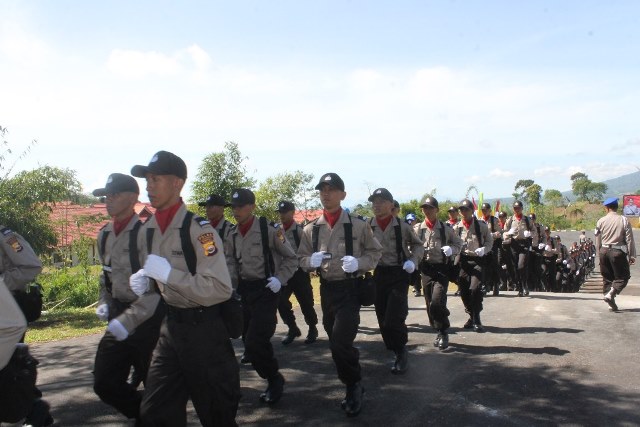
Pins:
x,y
349,264
157,268
447,250
504,266
547,248
479,251
117,330
274,284
577,271
103,312
409,266
316,259
541,245
564,261
527,233
139,282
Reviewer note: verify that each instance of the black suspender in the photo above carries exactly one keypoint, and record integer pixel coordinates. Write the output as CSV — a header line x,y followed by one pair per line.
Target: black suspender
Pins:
x,y
269,265
134,259
296,238
185,241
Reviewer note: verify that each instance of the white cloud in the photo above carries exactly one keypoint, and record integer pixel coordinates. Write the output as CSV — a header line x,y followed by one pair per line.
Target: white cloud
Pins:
x,y
133,64
547,171
500,173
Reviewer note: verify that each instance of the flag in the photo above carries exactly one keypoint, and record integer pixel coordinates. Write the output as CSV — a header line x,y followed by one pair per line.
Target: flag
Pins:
x,y
497,206
479,206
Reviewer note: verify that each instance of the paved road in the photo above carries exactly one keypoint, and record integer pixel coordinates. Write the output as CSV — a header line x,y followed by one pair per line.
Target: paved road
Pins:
x,y
547,359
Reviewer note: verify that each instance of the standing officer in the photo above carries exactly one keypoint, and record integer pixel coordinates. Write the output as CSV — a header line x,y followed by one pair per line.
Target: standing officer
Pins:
x,y
401,253
476,245
299,284
194,357
519,231
214,206
616,249
341,248
492,262
440,243
260,260
133,327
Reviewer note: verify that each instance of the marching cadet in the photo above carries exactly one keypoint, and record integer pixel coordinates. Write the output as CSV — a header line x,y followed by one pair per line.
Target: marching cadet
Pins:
x,y
616,251
401,253
519,232
507,271
341,248
19,264
538,243
299,284
134,322
454,216
549,262
194,357
493,267
440,243
562,264
260,261
477,241
414,280
214,206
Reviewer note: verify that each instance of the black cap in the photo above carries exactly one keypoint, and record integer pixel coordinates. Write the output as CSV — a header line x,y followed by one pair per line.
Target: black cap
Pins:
x,y
332,179
162,163
396,204
383,193
502,214
517,204
452,209
546,229
485,206
285,206
242,196
466,204
118,183
532,216
214,200
429,201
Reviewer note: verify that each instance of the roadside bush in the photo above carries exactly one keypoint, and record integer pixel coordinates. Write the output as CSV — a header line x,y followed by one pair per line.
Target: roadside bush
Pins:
x,y
70,287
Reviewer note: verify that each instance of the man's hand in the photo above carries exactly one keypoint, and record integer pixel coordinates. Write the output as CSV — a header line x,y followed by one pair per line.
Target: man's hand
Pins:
x,y
632,260
273,284
409,266
117,330
349,264
157,268
447,250
316,259
139,282
103,312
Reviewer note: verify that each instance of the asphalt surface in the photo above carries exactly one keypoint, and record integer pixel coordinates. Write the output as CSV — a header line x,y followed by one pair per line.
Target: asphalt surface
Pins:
x,y
546,359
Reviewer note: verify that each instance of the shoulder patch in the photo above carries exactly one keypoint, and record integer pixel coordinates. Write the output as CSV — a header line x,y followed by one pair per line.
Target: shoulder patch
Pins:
x,y
280,234
201,221
13,242
6,231
208,244
274,224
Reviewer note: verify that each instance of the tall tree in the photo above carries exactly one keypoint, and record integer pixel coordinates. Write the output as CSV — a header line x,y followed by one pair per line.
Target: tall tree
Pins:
x,y
295,187
532,195
520,189
220,173
585,189
553,197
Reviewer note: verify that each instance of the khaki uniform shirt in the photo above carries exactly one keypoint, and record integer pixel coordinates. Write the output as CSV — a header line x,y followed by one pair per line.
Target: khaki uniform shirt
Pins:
x,y
227,229
470,240
411,244
366,248
519,227
289,234
250,255
211,284
19,264
539,236
554,247
432,243
614,230
12,324
116,266
493,224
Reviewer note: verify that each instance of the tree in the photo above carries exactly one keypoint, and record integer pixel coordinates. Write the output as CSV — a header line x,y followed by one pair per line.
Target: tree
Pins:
x,y
585,189
553,197
520,189
220,173
532,195
292,186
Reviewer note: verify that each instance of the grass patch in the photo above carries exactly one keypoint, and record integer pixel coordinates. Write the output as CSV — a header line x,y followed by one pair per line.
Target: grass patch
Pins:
x,y
64,323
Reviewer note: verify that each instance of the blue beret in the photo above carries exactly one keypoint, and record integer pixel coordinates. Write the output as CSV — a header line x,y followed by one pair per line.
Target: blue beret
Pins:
x,y
610,201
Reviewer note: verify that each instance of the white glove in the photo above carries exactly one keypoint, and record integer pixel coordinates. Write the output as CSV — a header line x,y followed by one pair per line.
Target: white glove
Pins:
x,y
479,251
139,282
527,233
103,312
409,266
541,245
577,271
504,266
274,284
547,248
157,268
316,259
447,250
349,264
117,330
564,261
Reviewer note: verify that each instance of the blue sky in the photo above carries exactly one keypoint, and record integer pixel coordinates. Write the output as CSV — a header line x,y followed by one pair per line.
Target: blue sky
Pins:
x,y
408,95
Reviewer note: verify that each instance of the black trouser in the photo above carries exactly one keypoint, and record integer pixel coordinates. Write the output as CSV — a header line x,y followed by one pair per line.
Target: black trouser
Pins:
x,y
535,270
493,267
18,390
435,284
392,306
520,260
300,286
470,283
415,280
194,359
259,306
341,318
549,273
114,360
510,273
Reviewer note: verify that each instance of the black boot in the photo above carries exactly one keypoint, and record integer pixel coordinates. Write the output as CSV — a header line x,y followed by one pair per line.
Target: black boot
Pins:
x,y
477,324
352,403
444,341
401,363
293,333
312,336
274,390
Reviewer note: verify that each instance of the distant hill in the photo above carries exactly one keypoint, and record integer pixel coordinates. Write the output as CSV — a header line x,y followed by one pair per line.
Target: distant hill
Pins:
x,y
616,187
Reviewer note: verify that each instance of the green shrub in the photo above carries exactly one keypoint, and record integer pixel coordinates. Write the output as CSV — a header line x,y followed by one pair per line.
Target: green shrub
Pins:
x,y
70,287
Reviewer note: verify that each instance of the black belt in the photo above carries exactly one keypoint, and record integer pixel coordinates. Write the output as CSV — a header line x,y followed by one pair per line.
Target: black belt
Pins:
x,y
389,268
193,315
260,282
331,283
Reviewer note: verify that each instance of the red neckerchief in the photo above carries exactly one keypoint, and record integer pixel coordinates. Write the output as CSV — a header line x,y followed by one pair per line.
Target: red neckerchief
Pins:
x,y
486,218
332,218
502,223
287,225
429,224
214,224
452,221
467,224
118,226
164,217
384,222
243,228
519,218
